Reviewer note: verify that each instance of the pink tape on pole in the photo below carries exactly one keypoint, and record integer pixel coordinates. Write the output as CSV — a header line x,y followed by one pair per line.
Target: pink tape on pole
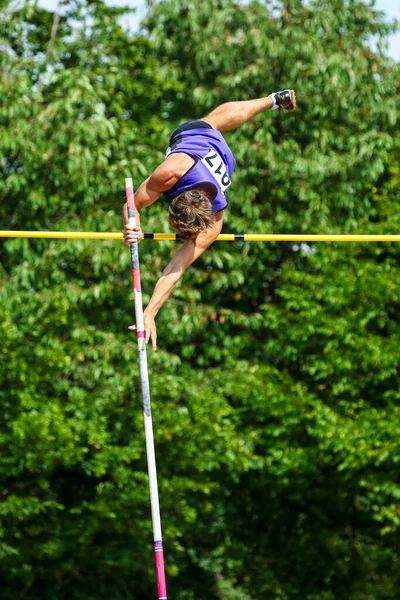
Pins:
x,y
140,334
161,584
136,280
129,197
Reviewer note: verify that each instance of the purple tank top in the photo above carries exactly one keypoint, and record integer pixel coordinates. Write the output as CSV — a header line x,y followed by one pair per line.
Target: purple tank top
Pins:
x,y
214,164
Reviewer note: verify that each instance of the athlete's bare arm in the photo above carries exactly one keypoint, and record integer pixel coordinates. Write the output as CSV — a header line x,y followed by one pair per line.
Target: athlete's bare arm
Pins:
x,y
163,178
185,256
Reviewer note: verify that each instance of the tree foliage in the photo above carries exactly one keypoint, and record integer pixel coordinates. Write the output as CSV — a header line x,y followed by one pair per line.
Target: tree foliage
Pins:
x,y
275,392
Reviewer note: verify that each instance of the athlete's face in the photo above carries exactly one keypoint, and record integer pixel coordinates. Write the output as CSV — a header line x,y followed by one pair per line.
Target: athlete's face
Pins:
x,y
185,236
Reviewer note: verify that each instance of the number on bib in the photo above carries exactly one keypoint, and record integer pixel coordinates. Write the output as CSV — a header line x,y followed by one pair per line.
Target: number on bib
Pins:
x,y
215,165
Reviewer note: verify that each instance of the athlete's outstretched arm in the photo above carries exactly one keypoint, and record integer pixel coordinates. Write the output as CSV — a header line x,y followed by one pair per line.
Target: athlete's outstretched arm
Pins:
x,y
148,192
185,256
234,114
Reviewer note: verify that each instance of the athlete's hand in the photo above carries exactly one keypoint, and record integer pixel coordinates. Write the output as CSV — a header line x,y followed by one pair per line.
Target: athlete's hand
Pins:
x,y
132,234
150,330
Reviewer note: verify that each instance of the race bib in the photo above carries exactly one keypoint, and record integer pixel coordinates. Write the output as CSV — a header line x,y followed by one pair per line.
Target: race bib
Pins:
x,y
215,165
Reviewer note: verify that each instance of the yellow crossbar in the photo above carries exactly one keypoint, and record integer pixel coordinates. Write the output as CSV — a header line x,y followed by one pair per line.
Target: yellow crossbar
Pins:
x,y
223,237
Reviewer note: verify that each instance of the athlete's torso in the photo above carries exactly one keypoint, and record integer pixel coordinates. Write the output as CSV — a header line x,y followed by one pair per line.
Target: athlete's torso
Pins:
x,y
213,164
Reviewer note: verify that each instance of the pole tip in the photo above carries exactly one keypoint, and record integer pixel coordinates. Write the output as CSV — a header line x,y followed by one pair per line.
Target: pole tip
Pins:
x,y
128,182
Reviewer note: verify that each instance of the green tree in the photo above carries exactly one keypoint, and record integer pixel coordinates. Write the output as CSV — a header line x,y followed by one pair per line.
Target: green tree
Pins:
x,y
275,391
311,519
83,104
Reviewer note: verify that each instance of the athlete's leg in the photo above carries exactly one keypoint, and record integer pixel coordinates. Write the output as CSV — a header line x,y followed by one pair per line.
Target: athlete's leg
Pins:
x,y
233,114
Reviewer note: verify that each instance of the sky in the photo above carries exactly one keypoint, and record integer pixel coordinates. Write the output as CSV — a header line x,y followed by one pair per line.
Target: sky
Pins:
x,y
390,7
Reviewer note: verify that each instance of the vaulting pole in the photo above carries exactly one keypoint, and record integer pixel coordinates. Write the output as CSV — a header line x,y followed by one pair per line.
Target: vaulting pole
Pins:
x,y
148,422
223,237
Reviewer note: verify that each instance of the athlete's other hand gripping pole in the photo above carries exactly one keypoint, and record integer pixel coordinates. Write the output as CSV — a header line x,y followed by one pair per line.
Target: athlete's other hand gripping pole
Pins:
x,y
144,380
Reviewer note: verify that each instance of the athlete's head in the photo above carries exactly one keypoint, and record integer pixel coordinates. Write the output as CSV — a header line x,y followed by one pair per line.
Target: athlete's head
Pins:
x,y
190,213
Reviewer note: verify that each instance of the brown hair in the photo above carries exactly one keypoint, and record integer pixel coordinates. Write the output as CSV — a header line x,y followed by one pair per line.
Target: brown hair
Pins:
x,y
190,213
